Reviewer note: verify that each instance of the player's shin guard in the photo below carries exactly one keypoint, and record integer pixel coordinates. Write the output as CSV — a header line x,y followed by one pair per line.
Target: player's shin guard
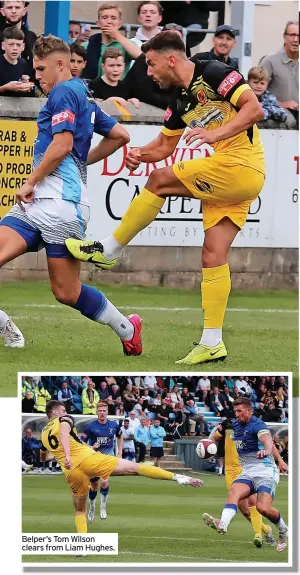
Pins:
x,y
215,289
81,524
154,472
141,212
256,520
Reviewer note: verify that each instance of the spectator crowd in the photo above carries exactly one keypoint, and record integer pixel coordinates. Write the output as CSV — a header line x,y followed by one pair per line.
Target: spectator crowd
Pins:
x,y
114,66
172,400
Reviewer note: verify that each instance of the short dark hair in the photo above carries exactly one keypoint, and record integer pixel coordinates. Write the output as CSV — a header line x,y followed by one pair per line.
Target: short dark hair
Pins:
x,y
74,22
51,405
79,50
157,4
243,401
112,53
164,41
13,33
46,45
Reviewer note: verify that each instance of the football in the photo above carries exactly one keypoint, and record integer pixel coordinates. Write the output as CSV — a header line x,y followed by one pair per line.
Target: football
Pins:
x,y
206,449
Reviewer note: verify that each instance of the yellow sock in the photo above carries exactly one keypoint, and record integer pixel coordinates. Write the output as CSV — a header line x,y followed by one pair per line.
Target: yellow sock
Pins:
x,y
256,520
264,528
215,288
154,472
141,212
81,524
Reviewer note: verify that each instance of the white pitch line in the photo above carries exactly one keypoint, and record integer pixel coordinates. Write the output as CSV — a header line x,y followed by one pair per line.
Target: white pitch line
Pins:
x,y
189,559
186,539
149,308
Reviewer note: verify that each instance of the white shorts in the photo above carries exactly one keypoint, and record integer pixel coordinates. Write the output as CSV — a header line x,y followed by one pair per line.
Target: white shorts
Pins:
x,y
48,223
260,481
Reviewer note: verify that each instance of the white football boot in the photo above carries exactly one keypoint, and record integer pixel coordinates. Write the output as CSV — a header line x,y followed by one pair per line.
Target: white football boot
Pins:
x,y
184,480
11,334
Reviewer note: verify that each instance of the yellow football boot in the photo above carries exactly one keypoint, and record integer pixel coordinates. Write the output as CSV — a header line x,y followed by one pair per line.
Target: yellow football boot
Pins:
x,y
202,353
89,252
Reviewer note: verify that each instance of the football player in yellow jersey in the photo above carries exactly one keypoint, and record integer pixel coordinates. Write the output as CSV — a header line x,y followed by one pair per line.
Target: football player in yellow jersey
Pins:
x,y
233,470
220,109
79,462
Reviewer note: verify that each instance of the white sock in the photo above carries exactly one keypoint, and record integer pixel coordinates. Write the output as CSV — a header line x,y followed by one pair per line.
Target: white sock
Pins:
x,y
211,336
220,470
227,515
3,318
93,504
111,248
281,525
103,499
117,321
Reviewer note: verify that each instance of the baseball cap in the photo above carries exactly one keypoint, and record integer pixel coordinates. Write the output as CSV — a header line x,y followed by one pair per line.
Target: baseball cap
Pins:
x,y
225,28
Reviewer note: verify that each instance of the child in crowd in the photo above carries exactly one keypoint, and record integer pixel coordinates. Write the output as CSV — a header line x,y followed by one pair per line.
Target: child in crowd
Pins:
x,y
109,87
258,80
14,71
78,60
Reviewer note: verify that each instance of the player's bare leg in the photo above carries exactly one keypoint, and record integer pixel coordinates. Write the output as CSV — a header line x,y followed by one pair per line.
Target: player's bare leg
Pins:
x,y
265,506
68,290
236,493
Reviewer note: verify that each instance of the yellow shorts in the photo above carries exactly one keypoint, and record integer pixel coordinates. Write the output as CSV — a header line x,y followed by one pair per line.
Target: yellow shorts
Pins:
x,y
225,187
97,465
230,476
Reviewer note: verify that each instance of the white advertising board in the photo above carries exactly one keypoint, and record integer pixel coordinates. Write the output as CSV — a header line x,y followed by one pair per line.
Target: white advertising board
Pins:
x,y
272,219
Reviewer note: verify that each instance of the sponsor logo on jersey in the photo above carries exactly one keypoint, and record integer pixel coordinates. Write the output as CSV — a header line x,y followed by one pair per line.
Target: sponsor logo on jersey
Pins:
x,y
66,116
168,114
228,83
201,97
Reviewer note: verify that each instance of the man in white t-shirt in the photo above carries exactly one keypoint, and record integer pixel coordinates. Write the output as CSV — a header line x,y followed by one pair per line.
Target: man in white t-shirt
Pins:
x,y
204,386
149,16
134,421
128,451
241,384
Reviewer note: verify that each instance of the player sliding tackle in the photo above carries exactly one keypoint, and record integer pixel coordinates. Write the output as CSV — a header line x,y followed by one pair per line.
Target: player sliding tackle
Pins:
x,y
220,108
259,473
53,203
80,463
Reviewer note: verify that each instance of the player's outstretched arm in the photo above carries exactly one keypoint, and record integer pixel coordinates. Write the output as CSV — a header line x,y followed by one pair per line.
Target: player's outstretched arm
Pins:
x,y
64,434
115,139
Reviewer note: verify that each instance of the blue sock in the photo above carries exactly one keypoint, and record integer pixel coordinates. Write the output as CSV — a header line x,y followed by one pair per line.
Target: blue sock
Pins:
x,y
92,494
91,302
104,490
95,306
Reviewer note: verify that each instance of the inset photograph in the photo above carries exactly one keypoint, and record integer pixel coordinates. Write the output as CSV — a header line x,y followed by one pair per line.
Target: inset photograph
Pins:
x,y
179,468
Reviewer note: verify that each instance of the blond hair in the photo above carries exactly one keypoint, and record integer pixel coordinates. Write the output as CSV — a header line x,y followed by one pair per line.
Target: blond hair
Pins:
x,y
259,73
46,45
109,7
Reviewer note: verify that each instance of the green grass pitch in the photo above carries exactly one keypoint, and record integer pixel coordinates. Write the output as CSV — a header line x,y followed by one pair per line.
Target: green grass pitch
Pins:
x,y
157,521
59,339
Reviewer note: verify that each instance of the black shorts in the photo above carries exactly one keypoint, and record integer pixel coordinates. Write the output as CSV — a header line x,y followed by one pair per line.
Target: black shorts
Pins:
x,y
156,452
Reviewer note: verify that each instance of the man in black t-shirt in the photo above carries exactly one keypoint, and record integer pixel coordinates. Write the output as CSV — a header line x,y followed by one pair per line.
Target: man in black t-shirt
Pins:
x,y
13,14
14,71
109,85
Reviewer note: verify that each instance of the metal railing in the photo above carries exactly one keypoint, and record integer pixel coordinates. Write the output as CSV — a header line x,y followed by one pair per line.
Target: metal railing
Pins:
x,y
128,28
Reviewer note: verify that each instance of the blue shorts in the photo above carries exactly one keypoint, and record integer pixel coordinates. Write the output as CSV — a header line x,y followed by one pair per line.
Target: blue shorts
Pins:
x,y
47,223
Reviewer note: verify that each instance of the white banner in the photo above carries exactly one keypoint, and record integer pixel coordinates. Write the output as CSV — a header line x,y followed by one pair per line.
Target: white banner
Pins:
x,y
69,544
272,219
